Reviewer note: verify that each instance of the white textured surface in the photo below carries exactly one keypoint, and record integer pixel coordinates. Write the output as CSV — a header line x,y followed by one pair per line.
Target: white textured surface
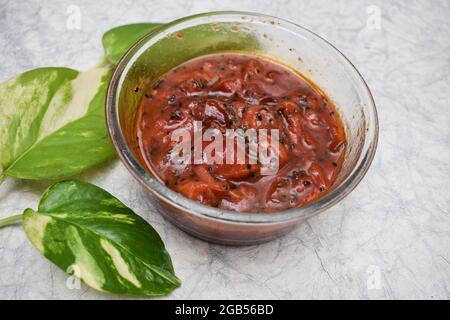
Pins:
x,y
395,224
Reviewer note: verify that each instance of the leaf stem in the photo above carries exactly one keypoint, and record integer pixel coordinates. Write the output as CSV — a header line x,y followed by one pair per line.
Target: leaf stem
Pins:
x,y
2,178
10,220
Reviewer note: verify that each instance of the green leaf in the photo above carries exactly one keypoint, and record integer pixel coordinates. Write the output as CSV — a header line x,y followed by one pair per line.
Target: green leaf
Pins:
x,y
52,123
84,229
117,41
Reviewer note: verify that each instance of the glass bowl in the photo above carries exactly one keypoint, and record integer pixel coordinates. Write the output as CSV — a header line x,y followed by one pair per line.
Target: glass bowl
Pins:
x,y
278,39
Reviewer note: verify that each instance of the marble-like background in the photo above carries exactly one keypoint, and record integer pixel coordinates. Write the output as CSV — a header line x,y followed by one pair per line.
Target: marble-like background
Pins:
x,y
389,239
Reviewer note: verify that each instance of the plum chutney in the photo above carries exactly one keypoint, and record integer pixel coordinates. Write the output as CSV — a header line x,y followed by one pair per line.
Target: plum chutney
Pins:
x,y
232,91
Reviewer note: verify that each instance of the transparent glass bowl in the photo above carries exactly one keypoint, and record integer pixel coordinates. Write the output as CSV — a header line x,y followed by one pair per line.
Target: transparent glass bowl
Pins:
x,y
293,45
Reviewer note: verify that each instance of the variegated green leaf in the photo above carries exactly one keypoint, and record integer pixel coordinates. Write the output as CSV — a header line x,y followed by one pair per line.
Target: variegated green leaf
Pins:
x,y
52,123
118,40
81,227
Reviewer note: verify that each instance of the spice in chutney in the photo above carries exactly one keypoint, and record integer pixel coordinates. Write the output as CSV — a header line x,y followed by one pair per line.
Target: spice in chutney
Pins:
x,y
242,91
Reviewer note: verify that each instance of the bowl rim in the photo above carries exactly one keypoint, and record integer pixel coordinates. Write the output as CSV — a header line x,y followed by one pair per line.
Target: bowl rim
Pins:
x,y
180,202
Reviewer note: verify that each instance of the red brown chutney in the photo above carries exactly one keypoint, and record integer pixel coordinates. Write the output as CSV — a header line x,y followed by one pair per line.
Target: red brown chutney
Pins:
x,y
231,91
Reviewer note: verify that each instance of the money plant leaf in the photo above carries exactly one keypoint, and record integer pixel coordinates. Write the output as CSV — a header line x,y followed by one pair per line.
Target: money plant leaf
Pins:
x,y
84,229
117,41
52,123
